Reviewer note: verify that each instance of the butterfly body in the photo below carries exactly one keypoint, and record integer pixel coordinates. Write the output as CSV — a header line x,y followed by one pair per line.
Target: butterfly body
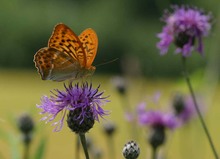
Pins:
x,y
67,56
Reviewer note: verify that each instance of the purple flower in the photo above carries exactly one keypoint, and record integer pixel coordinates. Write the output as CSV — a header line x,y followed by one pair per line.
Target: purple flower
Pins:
x,y
183,27
184,108
82,98
156,118
188,112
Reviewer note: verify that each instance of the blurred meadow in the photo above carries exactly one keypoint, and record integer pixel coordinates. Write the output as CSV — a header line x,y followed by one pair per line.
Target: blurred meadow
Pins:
x,y
126,31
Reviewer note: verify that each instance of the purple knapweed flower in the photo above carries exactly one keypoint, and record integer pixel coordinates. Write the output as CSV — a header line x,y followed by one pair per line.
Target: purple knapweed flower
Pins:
x,y
184,26
184,108
154,118
157,119
158,122
79,98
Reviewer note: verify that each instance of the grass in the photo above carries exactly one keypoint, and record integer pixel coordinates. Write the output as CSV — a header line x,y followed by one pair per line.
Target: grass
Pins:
x,y
21,90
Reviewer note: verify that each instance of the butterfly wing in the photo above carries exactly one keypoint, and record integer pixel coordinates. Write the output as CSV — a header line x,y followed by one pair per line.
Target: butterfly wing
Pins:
x,y
89,41
55,65
67,55
65,40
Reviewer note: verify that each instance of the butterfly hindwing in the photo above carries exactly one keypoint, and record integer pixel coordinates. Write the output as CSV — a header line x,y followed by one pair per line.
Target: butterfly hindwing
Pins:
x,y
89,42
55,65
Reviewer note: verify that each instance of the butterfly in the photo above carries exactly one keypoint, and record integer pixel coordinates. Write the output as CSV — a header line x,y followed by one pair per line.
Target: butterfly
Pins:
x,y
67,56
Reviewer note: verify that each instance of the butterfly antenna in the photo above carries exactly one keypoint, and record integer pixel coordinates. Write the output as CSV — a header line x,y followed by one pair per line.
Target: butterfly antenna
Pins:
x,y
107,62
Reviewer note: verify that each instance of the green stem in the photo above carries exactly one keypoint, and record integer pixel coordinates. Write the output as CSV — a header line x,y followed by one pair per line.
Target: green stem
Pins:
x,y
127,109
111,146
26,150
186,75
84,145
154,153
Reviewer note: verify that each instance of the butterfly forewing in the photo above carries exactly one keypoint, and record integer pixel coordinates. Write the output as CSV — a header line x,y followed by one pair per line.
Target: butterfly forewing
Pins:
x,y
89,42
55,65
66,41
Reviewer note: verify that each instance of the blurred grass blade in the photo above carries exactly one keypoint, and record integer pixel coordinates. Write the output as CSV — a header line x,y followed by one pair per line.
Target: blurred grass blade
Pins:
x,y
13,144
3,134
40,149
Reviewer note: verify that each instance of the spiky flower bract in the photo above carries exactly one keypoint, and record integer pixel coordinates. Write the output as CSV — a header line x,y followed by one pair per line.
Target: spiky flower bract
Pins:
x,y
131,150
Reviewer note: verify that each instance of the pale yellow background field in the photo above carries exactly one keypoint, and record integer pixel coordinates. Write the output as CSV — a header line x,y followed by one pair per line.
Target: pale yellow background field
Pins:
x,y
20,91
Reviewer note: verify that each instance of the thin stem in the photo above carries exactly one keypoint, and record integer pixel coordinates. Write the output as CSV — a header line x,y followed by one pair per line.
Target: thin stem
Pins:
x,y
186,75
111,146
127,109
26,141
154,153
83,142
26,150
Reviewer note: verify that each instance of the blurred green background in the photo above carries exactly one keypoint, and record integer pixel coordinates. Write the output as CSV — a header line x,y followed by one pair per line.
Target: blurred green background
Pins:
x,y
127,31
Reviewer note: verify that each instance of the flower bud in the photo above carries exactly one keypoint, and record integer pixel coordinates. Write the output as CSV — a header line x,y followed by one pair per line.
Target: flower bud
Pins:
x,y
131,150
78,125
157,136
109,128
178,104
25,124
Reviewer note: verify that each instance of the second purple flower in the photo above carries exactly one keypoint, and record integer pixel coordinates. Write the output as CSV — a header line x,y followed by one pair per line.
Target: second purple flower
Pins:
x,y
184,26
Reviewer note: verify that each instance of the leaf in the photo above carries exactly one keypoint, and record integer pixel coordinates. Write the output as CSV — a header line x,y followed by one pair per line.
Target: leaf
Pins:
x,y
40,149
13,144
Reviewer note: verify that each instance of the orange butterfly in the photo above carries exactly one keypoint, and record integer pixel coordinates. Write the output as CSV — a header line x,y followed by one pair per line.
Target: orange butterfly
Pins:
x,y
67,56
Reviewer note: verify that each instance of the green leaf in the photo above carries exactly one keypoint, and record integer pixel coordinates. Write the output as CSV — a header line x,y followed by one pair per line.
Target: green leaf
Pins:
x,y
13,144
41,149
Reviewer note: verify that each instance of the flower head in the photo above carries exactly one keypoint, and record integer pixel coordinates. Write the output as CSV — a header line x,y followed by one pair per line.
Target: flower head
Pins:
x,y
82,102
157,119
184,108
183,27
158,122
25,123
26,126
109,128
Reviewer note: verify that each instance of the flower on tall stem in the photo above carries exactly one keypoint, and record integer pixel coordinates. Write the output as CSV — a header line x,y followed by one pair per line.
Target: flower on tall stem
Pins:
x,y
82,103
184,26
109,130
26,126
158,122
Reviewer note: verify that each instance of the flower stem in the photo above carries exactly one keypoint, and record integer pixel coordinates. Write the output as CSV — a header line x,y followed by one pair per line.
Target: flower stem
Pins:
x,y
186,75
83,142
154,153
111,147
26,151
